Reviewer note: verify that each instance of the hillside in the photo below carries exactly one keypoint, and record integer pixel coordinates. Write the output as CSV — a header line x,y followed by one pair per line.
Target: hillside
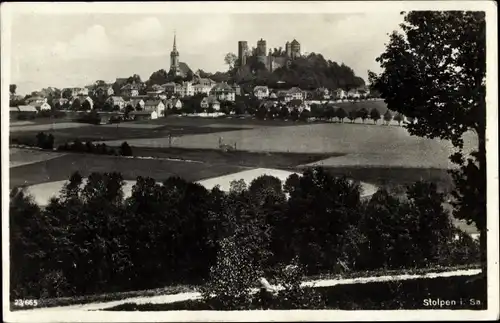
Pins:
x,y
308,73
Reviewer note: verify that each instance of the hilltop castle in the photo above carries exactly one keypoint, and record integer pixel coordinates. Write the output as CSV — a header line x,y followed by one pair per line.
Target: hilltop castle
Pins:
x,y
273,59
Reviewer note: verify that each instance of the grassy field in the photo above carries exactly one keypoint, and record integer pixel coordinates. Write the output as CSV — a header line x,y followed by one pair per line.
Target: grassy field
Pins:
x,y
364,145
62,167
109,132
19,157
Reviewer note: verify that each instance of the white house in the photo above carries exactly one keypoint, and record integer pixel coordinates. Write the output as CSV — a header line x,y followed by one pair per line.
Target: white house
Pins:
x,y
223,92
296,93
116,101
340,94
187,89
203,86
261,92
44,107
155,105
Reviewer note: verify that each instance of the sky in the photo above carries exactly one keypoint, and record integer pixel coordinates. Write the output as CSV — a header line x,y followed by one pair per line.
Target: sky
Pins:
x,y
77,49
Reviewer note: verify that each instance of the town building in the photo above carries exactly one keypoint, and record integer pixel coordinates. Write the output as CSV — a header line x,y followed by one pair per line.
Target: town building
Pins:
x,y
203,86
116,101
223,92
155,105
129,90
187,89
261,92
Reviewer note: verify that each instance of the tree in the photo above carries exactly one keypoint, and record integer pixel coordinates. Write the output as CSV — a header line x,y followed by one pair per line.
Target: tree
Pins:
x,y
363,114
446,48
284,113
388,116
12,88
340,114
399,118
374,115
125,149
86,105
230,59
352,115
76,105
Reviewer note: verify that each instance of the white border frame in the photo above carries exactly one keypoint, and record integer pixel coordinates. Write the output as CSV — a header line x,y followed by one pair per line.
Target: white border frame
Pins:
x,y
7,9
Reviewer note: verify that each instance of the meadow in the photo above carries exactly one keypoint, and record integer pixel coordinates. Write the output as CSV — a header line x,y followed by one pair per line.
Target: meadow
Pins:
x,y
362,145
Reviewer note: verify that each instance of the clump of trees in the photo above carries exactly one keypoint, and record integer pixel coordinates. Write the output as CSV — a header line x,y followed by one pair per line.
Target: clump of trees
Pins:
x,y
91,239
100,149
45,141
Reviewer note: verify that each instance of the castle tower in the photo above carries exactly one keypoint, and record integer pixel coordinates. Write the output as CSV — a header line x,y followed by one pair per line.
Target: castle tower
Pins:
x,y
242,53
295,48
288,49
261,47
174,59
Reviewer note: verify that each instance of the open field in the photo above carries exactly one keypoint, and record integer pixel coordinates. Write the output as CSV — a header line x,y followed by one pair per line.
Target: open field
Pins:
x,y
365,145
47,126
19,157
62,167
240,158
115,132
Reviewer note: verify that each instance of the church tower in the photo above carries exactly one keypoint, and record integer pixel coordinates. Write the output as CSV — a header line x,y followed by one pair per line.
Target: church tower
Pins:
x,y
174,59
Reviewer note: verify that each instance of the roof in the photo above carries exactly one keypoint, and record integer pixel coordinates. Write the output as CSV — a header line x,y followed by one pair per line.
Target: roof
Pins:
x,y
261,87
223,87
295,42
205,81
27,108
13,109
184,68
295,90
273,96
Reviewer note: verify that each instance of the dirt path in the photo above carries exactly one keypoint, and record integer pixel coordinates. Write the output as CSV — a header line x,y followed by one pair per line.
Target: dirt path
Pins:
x,y
163,299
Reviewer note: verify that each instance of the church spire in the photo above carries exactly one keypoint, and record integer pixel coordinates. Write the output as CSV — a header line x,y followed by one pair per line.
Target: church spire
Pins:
x,y
175,45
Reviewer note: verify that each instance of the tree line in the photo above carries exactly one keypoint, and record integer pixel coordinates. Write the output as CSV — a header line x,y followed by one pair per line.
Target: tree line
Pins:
x,y
91,239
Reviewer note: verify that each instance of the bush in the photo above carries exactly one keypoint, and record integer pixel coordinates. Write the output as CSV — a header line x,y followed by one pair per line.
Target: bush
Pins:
x,y
231,278
293,295
78,147
45,141
125,149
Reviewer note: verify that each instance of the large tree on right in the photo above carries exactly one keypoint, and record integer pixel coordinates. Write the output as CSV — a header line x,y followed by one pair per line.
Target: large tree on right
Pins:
x,y
434,72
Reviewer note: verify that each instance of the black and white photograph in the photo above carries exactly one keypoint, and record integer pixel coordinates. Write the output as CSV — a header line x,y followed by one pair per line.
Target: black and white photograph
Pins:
x,y
256,161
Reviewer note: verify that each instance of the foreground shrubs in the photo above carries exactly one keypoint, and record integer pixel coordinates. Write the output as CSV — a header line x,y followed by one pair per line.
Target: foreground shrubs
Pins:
x,y
93,240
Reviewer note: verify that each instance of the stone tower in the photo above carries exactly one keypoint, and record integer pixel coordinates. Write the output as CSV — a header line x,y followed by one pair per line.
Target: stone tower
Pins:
x,y
288,49
174,59
295,48
242,53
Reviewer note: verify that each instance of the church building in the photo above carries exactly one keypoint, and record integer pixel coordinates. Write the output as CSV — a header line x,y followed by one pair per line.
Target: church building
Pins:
x,y
177,68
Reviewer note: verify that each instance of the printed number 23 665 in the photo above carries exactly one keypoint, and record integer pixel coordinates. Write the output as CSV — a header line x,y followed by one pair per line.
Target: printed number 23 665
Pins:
x,y
25,302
